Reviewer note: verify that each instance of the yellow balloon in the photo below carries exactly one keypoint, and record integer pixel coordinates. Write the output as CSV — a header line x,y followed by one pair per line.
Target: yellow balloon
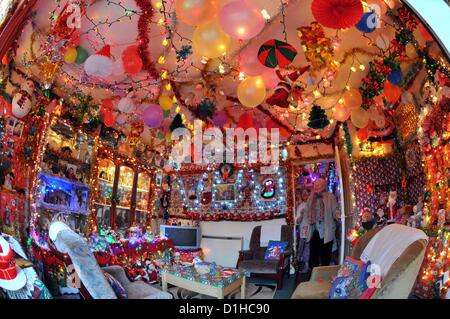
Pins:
x,y
196,12
70,55
210,41
352,99
165,102
360,118
252,91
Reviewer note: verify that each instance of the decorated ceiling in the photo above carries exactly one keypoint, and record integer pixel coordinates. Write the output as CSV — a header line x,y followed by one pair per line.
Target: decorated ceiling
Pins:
x,y
304,66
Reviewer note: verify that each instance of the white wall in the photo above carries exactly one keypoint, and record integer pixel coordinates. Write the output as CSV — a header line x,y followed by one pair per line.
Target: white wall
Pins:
x,y
233,229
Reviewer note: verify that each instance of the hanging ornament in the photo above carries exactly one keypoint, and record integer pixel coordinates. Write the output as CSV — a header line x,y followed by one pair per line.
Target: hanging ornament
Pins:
x,y
317,47
241,19
206,109
251,92
368,22
99,64
337,14
288,88
317,118
22,101
275,53
131,60
210,41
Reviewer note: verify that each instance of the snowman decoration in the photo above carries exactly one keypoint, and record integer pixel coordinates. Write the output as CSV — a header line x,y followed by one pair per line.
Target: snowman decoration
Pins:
x,y
23,100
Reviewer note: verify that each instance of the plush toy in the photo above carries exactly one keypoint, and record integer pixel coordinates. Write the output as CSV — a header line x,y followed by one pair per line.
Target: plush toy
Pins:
x,y
416,218
23,99
286,88
8,181
392,207
367,219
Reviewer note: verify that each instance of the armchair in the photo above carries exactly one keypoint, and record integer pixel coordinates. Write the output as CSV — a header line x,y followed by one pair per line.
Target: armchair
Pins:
x,y
397,284
252,260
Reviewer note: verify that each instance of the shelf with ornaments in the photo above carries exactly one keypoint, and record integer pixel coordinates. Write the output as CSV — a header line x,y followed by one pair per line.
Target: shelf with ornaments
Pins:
x,y
123,190
62,186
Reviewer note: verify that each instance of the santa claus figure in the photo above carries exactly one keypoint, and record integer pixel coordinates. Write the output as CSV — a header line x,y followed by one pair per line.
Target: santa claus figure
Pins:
x,y
392,207
286,88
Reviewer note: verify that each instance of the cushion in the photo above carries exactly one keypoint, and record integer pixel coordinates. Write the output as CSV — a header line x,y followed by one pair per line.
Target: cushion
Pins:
x,y
274,250
259,266
351,281
119,290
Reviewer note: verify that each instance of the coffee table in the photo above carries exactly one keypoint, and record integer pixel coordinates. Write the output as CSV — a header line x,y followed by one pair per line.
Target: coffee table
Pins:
x,y
225,281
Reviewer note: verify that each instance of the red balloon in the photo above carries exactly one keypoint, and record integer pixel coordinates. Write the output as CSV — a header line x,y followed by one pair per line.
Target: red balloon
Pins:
x,y
132,62
106,105
108,118
363,134
245,121
392,92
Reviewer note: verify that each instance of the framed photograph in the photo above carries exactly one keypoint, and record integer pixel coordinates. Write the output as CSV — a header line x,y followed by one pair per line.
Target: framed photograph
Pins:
x,y
225,192
14,126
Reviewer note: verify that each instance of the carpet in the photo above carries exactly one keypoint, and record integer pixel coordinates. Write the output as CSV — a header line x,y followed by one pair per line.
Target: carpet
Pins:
x,y
253,291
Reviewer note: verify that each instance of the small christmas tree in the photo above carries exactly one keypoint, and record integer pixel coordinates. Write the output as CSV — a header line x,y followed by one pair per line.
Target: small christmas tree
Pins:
x,y
176,123
317,118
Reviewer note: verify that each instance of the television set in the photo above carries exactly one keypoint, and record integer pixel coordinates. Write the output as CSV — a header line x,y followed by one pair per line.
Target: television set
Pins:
x,y
183,237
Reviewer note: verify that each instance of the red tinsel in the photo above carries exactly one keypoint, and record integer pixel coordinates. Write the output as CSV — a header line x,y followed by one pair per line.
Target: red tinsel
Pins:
x,y
143,32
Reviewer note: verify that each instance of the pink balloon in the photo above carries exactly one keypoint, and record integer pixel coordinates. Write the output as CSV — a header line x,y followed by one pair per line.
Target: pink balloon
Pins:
x,y
241,19
250,64
270,78
153,116
220,118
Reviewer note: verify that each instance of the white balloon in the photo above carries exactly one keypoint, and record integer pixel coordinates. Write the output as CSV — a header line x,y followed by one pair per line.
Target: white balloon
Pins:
x,y
126,105
98,65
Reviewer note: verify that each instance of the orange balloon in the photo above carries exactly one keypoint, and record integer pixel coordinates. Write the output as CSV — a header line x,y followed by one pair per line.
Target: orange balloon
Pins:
x,y
392,92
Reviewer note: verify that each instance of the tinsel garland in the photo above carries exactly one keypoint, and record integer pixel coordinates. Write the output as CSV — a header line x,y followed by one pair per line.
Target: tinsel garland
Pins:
x,y
143,31
348,139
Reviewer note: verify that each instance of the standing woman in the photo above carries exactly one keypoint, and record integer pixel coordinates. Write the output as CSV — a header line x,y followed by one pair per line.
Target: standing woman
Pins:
x,y
321,214
302,245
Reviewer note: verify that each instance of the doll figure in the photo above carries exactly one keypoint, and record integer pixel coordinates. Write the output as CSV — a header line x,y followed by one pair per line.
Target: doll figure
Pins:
x,y
8,181
380,218
392,207
441,217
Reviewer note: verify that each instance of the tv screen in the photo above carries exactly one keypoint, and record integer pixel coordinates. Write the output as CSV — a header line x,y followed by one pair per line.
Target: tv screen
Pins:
x,y
182,237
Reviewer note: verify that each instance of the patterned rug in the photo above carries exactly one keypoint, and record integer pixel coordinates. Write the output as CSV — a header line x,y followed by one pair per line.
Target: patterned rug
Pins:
x,y
253,291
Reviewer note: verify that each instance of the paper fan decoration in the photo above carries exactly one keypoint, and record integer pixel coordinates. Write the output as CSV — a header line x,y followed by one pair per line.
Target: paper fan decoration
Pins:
x,y
337,14
275,53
